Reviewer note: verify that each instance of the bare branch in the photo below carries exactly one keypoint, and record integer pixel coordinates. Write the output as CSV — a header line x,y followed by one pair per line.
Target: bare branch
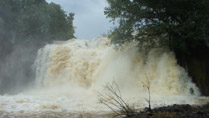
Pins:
x,y
113,100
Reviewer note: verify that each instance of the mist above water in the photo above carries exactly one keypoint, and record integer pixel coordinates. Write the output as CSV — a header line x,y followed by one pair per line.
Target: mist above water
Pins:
x,y
16,72
70,74
90,64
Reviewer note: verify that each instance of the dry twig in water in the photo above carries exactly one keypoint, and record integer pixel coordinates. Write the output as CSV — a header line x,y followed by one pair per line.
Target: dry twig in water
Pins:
x,y
113,100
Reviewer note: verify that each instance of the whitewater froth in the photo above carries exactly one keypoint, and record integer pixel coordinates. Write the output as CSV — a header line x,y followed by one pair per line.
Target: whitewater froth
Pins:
x,y
70,74
91,63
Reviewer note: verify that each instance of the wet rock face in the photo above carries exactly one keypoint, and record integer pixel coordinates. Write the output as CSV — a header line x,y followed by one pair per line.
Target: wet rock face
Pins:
x,y
197,65
198,69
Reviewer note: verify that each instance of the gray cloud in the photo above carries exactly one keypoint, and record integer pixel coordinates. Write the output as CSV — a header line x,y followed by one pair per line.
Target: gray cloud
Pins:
x,y
90,20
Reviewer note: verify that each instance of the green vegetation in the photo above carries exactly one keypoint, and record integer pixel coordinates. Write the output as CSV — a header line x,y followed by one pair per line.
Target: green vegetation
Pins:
x,y
25,26
34,19
180,25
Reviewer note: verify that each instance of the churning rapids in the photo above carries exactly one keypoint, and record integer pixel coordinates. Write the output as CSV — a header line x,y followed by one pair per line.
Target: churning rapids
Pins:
x,y
70,74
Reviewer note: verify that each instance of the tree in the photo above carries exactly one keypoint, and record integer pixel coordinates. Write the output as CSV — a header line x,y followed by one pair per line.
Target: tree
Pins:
x,y
180,24
34,20
71,28
25,26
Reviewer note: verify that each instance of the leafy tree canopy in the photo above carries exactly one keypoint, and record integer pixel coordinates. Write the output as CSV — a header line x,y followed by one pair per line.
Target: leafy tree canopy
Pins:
x,y
34,20
179,24
25,26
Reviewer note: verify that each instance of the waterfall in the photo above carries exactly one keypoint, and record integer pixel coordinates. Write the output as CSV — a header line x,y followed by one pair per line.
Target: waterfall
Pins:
x,y
70,74
90,64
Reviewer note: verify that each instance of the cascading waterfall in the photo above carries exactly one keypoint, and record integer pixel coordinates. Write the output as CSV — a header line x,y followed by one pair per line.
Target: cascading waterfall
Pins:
x,y
90,63
69,74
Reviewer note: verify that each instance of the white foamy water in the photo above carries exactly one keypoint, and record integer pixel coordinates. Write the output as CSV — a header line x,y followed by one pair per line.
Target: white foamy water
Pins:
x,y
70,74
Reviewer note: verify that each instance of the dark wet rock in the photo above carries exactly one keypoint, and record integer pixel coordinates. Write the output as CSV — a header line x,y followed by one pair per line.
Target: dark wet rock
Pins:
x,y
176,111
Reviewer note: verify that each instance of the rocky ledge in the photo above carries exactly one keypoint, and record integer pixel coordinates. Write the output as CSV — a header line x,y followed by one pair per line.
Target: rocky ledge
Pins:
x,y
175,111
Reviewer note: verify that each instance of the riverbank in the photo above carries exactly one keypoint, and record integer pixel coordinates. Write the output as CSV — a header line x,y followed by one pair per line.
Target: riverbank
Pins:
x,y
176,111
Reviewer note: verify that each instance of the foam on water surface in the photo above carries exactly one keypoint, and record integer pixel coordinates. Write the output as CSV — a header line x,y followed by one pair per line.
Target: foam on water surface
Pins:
x,y
70,74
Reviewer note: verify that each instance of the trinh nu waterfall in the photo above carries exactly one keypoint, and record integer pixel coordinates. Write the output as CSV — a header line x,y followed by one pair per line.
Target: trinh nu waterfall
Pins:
x,y
70,74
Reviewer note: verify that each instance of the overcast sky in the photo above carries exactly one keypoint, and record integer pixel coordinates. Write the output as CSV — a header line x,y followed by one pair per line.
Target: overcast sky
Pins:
x,y
90,20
